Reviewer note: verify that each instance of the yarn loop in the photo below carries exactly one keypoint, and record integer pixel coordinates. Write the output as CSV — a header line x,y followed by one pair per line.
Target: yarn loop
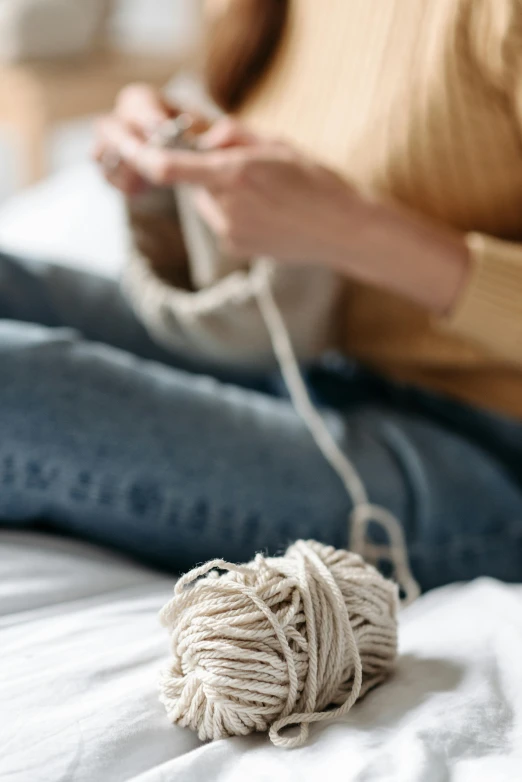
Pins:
x,y
278,642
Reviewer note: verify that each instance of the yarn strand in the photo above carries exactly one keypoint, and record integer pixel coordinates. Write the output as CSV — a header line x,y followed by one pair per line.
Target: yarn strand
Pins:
x,y
363,512
346,636
281,643
284,642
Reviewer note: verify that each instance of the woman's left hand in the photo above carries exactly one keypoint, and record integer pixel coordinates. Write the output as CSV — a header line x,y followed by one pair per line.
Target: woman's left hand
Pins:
x,y
264,198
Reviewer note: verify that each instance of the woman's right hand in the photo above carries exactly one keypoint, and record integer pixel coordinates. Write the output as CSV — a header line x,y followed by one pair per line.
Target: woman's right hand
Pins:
x,y
139,111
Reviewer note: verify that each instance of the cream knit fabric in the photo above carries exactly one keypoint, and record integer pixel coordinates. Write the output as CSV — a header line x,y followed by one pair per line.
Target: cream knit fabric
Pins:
x,y
215,315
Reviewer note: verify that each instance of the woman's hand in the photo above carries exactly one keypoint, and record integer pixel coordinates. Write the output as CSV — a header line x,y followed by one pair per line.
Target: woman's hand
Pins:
x,y
124,135
259,196
267,199
264,198
138,112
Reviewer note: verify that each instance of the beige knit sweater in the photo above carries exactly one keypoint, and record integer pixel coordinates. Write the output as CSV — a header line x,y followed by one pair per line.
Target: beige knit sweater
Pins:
x,y
421,100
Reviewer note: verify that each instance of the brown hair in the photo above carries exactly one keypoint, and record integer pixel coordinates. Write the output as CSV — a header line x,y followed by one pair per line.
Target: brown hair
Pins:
x,y
241,41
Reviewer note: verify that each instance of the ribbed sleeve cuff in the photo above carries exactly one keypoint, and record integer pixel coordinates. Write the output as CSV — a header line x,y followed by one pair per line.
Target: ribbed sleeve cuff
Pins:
x,y
490,308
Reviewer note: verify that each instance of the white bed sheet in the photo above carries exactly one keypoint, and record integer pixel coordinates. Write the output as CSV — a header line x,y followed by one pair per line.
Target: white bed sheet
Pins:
x,y
80,648
80,645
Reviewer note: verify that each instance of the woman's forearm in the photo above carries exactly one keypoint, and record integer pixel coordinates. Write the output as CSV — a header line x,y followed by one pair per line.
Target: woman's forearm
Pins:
x,y
397,250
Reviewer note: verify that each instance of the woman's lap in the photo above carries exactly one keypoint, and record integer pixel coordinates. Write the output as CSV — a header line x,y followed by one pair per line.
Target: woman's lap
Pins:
x,y
176,468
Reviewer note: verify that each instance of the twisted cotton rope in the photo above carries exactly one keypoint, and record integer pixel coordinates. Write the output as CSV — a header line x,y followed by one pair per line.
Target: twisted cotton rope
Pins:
x,y
276,642
280,641
177,133
363,512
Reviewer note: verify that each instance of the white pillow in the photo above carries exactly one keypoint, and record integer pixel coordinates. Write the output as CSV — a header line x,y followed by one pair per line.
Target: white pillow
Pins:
x,y
49,28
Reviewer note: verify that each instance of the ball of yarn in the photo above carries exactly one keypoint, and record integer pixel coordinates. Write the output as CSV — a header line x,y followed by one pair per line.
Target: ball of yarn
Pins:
x,y
277,642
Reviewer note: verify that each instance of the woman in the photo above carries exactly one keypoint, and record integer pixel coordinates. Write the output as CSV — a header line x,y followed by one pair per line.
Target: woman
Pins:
x,y
401,171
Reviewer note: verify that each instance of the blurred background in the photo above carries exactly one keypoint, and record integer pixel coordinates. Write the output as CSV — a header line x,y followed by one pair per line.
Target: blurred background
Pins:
x,y
62,62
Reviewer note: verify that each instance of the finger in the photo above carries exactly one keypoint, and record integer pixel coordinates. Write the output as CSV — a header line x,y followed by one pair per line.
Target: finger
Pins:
x,y
159,166
166,167
115,136
143,108
125,180
227,132
117,172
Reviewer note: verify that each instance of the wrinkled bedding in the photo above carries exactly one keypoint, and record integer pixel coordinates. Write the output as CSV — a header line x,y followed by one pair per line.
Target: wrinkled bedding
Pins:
x,y
81,647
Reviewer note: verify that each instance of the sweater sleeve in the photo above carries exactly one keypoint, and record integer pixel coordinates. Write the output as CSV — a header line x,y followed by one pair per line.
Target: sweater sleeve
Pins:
x,y
489,309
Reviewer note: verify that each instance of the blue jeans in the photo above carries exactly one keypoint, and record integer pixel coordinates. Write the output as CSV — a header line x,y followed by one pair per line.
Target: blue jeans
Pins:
x,y
106,436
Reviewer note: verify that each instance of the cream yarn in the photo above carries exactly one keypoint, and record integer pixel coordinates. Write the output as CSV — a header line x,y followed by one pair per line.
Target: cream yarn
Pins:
x,y
280,641
276,642
363,512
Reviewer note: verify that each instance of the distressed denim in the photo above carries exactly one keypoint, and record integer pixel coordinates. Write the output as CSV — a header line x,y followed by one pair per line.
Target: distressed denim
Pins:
x,y
106,436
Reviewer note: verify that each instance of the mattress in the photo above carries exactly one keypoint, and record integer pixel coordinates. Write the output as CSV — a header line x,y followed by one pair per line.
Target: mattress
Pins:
x,y
81,648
